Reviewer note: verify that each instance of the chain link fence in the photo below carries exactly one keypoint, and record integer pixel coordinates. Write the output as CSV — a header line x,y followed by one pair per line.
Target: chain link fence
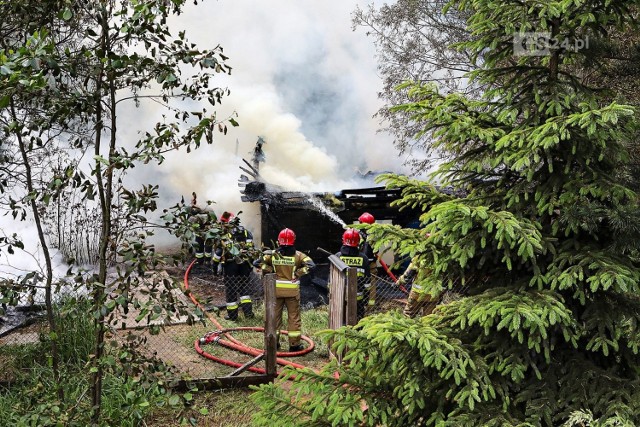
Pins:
x,y
173,340
214,291
23,325
384,294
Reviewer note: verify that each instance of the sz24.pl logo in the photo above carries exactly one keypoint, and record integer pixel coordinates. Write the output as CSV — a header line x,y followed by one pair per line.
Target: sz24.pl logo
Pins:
x,y
541,44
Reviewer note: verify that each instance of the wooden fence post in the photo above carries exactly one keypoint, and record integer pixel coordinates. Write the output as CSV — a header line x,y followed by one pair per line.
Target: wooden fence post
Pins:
x,y
343,290
337,292
351,299
270,336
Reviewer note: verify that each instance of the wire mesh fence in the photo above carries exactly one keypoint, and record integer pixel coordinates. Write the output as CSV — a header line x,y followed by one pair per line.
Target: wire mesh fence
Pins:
x,y
216,291
24,329
383,293
174,340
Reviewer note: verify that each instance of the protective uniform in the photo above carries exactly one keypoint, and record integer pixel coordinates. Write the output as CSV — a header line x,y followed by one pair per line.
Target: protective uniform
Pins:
x,y
201,220
289,265
354,257
418,300
232,253
371,285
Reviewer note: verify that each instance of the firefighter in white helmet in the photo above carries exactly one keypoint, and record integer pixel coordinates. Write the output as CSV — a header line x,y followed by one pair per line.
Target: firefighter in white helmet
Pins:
x,y
418,301
234,255
201,220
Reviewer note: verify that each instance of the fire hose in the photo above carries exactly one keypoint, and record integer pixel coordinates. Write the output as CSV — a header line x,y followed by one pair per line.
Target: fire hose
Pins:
x,y
223,337
393,277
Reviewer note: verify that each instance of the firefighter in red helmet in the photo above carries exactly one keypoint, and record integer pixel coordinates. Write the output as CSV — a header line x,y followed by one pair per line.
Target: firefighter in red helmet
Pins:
x,y
365,246
289,265
366,218
226,217
352,256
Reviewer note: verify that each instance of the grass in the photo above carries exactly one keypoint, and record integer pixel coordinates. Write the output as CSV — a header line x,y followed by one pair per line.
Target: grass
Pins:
x,y
31,399
224,408
313,321
233,408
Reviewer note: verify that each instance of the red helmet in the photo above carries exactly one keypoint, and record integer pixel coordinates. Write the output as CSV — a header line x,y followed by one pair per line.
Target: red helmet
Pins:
x,y
286,237
366,218
226,216
351,238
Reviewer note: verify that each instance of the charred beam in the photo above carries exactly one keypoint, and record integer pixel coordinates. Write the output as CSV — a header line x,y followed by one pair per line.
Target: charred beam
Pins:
x,y
255,171
249,172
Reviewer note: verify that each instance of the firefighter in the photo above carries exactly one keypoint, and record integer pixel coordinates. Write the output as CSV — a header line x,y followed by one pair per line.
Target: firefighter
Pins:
x,y
365,246
232,257
201,221
418,301
289,265
352,256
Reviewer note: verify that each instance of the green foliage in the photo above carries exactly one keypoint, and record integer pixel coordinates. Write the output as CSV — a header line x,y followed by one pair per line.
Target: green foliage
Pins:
x,y
31,399
541,227
33,402
66,70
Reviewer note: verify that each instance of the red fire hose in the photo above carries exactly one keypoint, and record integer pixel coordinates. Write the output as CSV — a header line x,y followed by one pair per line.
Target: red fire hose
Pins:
x,y
393,277
230,342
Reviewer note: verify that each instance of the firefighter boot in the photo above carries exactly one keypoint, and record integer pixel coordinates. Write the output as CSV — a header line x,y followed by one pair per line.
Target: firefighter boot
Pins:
x,y
232,315
247,309
232,312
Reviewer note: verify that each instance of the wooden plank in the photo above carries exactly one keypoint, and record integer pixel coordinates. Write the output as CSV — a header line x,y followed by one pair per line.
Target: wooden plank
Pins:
x,y
336,301
337,263
249,172
246,366
336,297
255,171
270,333
351,298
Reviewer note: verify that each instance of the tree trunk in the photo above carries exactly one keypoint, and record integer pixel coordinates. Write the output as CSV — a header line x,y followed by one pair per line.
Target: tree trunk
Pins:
x,y
31,194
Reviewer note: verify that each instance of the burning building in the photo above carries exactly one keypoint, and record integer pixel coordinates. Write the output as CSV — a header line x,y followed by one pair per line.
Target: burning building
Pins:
x,y
318,218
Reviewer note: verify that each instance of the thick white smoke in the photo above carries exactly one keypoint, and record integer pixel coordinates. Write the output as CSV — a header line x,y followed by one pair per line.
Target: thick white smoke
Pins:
x,y
304,81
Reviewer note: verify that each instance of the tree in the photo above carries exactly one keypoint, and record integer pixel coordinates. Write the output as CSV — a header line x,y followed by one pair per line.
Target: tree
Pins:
x,y
419,41
413,41
545,238
67,67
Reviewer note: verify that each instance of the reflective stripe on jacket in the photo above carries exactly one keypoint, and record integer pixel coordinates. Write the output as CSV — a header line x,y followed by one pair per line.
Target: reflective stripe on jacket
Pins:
x,y
412,276
288,269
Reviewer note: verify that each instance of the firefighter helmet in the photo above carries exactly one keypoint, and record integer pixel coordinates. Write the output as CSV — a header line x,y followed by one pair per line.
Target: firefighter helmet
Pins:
x,y
286,237
366,218
226,216
351,238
